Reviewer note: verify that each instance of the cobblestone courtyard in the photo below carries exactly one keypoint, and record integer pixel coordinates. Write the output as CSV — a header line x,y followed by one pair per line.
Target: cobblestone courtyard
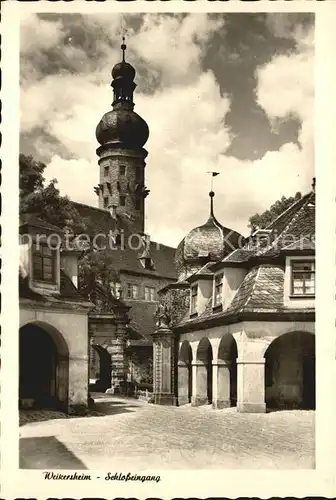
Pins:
x,y
134,435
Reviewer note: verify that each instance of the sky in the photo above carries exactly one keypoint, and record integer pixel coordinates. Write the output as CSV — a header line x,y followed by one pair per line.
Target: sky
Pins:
x,y
231,93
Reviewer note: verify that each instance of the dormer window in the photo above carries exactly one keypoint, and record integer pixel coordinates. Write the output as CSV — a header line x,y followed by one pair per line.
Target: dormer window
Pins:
x,y
218,290
193,299
44,264
303,278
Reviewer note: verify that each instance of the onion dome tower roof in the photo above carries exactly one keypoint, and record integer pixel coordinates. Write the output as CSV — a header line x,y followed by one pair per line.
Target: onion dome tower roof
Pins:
x,y
122,127
209,242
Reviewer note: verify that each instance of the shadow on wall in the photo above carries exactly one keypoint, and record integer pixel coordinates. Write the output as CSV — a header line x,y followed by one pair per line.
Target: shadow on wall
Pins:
x,y
47,453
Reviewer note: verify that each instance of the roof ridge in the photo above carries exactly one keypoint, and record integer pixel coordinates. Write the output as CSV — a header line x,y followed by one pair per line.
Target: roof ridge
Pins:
x,y
288,209
253,288
293,219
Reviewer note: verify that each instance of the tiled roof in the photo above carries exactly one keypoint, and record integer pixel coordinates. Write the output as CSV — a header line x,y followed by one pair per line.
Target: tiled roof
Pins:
x,y
262,291
141,316
68,291
262,288
127,259
32,219
295,223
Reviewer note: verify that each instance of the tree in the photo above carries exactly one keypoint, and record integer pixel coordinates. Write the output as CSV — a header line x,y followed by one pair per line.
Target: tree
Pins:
x,y
264,219
45,200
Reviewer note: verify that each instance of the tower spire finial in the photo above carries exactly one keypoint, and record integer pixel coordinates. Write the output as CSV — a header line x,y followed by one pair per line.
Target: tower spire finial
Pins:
x,y
212,194
123,48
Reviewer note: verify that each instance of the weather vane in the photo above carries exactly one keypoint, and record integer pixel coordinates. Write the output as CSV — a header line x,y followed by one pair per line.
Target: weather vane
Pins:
x,y
213,174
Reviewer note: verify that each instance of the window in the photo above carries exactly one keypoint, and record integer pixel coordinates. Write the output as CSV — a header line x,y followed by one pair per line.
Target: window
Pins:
x,y
122,170
106,171
132,291
137,174
150,293
193,299
218,290
44,260
137,204
106,202
303,278
122,200
116,289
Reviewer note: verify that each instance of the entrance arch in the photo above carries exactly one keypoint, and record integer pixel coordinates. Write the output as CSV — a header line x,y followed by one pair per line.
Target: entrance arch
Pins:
x,y
203,373
184,374
100,368
226,373
43,366
290,371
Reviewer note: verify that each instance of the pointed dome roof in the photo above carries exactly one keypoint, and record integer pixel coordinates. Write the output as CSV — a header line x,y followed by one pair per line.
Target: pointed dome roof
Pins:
x,y
208,242
121,126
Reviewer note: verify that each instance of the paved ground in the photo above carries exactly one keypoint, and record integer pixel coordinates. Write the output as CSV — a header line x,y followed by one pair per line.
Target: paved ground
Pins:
x,y
128,434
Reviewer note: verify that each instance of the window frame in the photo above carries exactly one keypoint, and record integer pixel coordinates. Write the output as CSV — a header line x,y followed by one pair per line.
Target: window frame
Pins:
x,y
193,299
216,304
131,287
38,253
150,293
312,272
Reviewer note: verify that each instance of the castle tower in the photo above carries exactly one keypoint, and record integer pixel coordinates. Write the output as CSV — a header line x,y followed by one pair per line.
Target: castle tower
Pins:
x,y
122,133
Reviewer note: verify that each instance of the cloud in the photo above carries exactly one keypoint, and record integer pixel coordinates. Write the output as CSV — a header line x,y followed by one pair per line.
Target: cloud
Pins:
x,y
183,106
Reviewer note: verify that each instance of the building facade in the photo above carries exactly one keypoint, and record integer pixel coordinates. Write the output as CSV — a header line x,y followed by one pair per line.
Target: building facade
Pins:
x,y
244,332
53,336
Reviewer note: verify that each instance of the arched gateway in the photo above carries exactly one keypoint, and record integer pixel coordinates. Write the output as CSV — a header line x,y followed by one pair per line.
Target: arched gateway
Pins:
x,y
100,368
43,366
290,371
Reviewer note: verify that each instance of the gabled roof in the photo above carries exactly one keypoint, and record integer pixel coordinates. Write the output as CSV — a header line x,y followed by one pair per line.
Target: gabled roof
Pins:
x,y
127,259
294,226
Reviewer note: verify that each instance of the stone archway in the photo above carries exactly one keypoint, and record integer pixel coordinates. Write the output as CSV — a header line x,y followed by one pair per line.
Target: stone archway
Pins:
x,y
203,373
184,374
225,380
100,368
290,371
43,367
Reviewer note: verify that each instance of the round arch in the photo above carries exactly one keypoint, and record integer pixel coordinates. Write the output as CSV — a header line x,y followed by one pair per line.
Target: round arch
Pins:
x,y
204,358
100,368
290,371
184,373
43,366
227,370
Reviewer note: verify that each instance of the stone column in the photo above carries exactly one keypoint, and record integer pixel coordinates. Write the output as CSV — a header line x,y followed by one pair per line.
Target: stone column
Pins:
x,y
119,361
163,366
78,381
221,384
200,384
183,382
251,385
